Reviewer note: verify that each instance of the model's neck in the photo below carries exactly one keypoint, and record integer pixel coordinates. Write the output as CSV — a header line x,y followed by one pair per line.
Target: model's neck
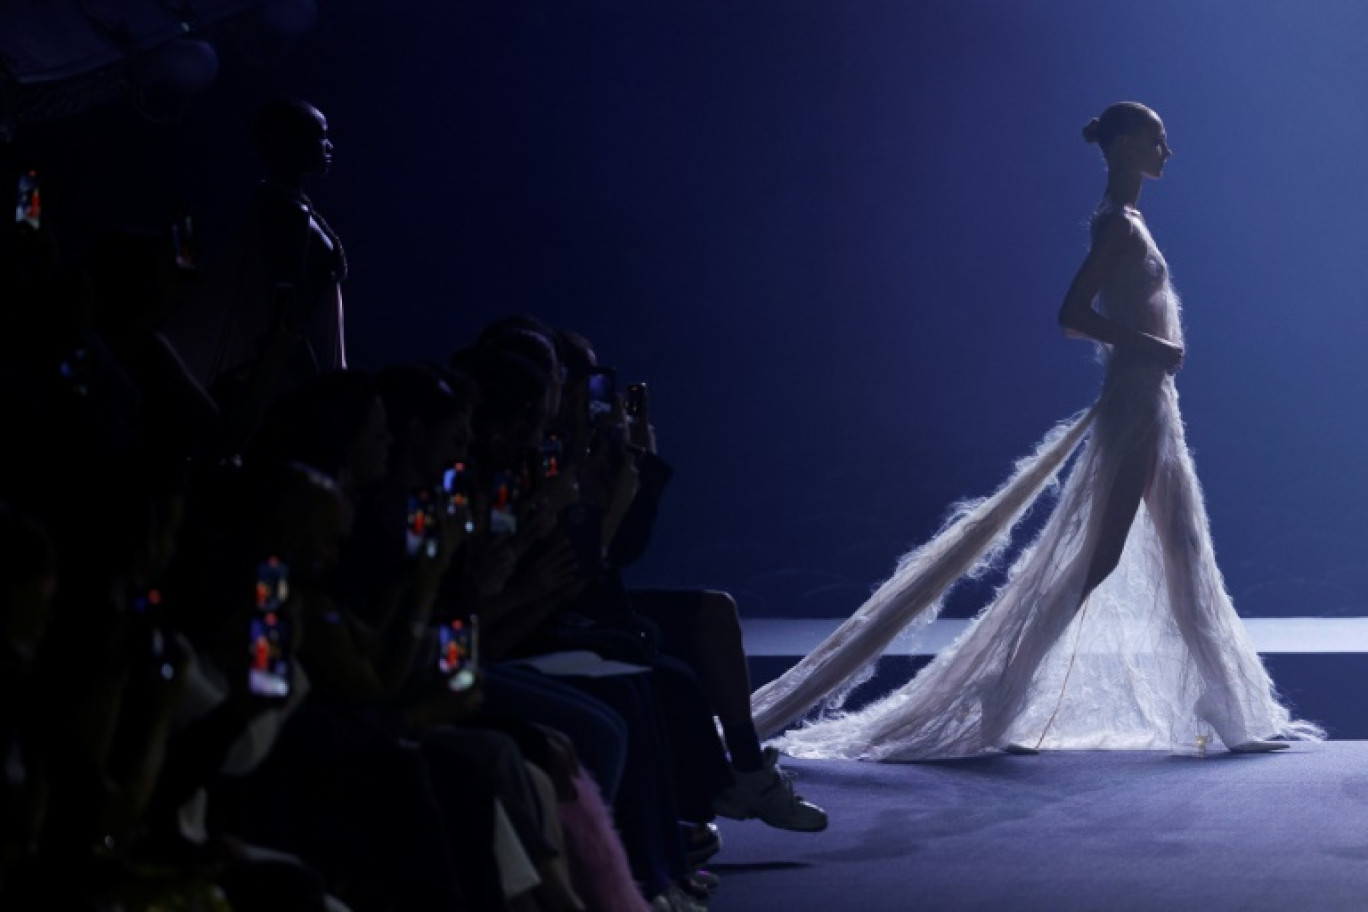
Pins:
x,y
287,180
1123,189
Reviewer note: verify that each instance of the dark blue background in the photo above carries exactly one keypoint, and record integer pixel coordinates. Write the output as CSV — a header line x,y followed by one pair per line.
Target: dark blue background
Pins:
x,y
833,236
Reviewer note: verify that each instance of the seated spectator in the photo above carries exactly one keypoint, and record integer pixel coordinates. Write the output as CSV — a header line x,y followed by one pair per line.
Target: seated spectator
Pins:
x,y
699,627
26,585
546,575
358,672
337,788
430,420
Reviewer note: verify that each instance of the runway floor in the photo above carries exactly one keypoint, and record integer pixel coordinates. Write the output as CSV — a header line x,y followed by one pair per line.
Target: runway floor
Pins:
x,y
1066,831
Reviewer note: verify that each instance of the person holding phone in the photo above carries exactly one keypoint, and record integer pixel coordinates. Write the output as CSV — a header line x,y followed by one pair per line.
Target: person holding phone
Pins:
x,y
370,811
697,630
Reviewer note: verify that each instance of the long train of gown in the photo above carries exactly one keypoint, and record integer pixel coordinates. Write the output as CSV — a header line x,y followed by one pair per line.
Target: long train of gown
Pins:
x,y
1156,658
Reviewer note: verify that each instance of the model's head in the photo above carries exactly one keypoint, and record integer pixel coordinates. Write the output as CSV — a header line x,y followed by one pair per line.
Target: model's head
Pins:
x,y
1131,137
296,512
292,138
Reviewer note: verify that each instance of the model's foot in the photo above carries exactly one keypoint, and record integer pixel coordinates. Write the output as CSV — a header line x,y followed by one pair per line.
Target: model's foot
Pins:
x,y
1021,749
767,794
1259,747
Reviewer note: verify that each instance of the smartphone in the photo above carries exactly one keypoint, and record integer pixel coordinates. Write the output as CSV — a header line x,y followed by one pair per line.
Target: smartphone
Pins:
x,y
28,209
268,639
458,652
420,528
635,402
146,601
145,614
552,455
502,494
183,241
456,486
602,392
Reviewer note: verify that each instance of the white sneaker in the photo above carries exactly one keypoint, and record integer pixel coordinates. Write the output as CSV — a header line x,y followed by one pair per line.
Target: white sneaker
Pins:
x,y
706,880
676,900
767,793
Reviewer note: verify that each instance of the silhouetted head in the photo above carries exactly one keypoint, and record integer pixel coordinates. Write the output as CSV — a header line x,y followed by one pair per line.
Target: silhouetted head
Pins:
x,y
533,340
511,415
577,354
292,138
335,423
294,511
1132,137
429,419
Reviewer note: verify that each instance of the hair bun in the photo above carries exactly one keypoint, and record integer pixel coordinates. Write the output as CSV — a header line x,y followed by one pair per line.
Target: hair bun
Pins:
x,y
1092,130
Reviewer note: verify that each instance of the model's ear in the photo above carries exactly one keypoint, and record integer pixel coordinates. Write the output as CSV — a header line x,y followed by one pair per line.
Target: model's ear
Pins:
x,y
1130,144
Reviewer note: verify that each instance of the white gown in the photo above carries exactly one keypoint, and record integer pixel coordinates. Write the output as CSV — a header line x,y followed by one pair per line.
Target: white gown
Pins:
x,y
1156,659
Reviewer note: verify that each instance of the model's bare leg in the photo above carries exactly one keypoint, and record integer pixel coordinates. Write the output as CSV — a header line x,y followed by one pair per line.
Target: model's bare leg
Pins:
x,y
1116,508
1113,512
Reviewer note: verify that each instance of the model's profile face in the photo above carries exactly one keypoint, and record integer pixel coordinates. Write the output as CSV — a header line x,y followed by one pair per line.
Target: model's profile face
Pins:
x,y
1149,148
319,148
1158,147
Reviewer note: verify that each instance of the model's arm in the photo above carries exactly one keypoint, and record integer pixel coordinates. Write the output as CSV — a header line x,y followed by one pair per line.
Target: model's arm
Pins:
x,y
1081,320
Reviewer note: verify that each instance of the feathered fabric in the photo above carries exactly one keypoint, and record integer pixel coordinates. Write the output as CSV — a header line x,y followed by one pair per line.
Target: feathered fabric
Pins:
x,y
1155,658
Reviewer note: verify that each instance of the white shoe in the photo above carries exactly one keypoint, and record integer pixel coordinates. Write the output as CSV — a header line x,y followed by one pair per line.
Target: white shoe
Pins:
x,y
1259,747
705,880
676,900
767,793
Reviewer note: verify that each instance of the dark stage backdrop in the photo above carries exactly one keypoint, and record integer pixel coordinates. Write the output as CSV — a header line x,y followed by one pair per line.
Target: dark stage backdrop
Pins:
x,y
833,236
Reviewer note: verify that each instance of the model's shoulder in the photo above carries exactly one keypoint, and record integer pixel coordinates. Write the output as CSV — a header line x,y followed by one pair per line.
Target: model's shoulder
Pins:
x,y
267,197
1118,225
1115,218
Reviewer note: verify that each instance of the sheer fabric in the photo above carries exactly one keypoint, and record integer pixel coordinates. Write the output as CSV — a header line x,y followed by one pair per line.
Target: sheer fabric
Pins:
x,y
1156,658
222,331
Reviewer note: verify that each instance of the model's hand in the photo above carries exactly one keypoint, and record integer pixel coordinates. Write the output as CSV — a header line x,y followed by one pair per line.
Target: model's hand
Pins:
x,y
1171,356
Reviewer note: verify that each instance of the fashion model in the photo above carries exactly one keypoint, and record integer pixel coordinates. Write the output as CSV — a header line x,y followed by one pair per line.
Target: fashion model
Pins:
x,y
1114,629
